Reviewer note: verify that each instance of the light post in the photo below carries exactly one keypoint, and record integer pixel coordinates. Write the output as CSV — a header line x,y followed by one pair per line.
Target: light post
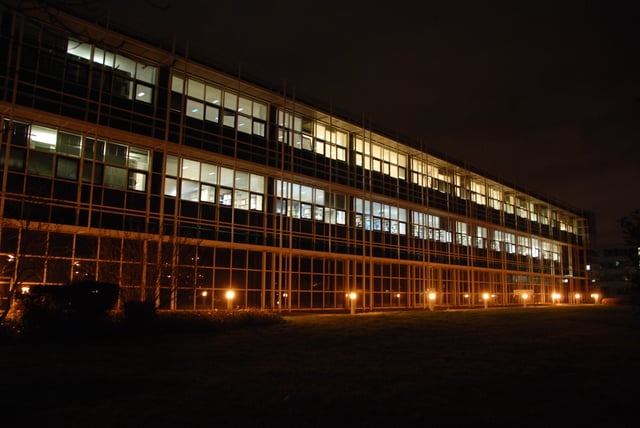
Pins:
x,y
555,298
485,298
432,300
204,295
577,296
595,297
353,296
525,296
230,294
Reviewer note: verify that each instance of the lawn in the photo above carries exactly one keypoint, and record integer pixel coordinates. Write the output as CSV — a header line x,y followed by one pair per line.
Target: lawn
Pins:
x,y
536,366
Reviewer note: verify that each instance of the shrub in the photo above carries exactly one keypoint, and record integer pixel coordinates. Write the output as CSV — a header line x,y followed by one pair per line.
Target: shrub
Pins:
x,y
91,300
58,308
44,307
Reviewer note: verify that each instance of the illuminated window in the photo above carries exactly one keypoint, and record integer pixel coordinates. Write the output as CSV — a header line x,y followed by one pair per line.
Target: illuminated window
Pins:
x,y
131,79
379,158
303,133
424,225
478,192
306,202
498,240
205,101
199,180
462,233
524,246
382,217
481,237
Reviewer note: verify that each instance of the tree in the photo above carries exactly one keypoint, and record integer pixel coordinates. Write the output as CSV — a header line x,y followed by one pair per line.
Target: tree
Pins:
x,y
630,225
25,247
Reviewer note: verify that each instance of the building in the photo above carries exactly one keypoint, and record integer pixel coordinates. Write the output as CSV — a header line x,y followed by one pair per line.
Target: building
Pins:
x,y
127,163
616,269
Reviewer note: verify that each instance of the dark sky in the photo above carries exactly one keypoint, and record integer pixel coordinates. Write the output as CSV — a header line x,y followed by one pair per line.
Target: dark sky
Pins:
x,y
545,94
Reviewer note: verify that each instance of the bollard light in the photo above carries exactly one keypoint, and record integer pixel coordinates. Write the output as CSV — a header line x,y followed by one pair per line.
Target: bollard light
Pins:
x,y
485,298
353,296
230,295
432,300
525,296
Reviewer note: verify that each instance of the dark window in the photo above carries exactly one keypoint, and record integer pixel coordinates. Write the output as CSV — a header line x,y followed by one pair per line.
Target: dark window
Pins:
x,y
17,159
86,246
67,168
41,164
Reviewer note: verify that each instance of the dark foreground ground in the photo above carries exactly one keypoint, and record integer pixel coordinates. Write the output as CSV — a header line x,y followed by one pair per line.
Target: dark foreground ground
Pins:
x,y
547,366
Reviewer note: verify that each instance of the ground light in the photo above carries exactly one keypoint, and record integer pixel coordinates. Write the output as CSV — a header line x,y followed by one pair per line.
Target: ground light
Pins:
x,y
230,295
525,296
353,296
485,298
432,300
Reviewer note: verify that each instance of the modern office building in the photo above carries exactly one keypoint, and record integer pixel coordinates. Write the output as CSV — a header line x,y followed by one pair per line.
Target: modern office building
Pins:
x,y
128,163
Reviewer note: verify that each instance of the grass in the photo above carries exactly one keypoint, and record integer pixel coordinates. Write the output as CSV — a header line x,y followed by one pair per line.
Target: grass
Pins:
x,y
547,366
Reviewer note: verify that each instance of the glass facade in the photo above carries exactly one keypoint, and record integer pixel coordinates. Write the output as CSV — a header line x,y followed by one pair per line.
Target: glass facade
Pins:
x,y
179,182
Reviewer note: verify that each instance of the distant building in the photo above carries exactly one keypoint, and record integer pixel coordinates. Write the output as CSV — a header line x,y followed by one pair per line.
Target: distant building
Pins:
x,y
127,163
615,268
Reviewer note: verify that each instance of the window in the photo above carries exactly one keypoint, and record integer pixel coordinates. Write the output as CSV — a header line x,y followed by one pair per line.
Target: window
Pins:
x,y
380,158
481,237
424,225
498,239
306,202
67,168
524,246
306,134
204,102
377,216
431,175
207,193
127,73
41,164
69,144
462,234
478,194
115,177
225,196
129,164
42,138
137,181
198,181
510,242
116,154
189,190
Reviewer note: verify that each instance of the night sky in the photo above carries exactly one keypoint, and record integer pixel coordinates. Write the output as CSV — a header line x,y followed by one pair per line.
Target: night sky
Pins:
x,y
544,94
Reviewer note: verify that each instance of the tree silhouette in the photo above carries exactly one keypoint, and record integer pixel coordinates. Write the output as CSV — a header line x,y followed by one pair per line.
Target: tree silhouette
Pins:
x,y
630,225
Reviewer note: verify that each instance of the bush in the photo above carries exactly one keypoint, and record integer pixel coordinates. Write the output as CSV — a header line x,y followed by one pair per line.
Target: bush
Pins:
x,y
82,304
92,300
44,307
